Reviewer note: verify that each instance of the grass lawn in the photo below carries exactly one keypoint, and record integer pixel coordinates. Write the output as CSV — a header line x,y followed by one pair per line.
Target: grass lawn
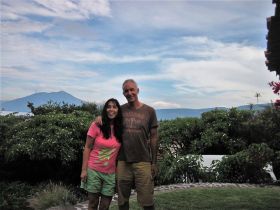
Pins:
x,y
216,198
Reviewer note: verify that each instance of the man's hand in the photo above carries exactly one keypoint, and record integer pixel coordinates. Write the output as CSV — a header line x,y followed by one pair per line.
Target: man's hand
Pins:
x,y
98,120
154,170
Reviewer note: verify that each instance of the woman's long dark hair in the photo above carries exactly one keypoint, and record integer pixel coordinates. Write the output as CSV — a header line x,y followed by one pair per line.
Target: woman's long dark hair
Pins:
x,y
117,121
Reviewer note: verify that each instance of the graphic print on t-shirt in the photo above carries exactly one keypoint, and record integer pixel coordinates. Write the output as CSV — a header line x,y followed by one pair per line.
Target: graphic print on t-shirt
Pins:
x,y
133,121
104,155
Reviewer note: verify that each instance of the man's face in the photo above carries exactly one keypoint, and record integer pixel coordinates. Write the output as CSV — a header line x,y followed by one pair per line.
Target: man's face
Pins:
x,y
130,91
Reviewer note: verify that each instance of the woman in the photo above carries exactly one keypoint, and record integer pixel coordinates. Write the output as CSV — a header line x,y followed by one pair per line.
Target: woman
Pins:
x,y
99,157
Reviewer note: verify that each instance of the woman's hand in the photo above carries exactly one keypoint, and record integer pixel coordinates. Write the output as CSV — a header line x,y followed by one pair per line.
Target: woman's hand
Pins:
x,y
84,175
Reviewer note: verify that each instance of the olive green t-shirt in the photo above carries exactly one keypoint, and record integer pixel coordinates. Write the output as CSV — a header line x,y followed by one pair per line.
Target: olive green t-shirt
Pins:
x,y
137,124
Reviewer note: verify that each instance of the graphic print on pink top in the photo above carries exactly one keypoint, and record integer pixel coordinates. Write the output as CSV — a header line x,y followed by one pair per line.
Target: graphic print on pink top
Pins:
x,y
103,156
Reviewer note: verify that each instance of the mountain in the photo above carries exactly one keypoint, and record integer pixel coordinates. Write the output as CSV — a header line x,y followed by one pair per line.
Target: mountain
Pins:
x,y
20,104
169,114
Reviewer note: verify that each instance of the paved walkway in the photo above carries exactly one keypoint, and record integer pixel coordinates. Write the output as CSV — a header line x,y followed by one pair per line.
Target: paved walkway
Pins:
x,y
165,188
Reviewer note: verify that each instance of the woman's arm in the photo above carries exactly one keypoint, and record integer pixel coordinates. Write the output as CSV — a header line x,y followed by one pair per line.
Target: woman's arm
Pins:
x,y
87,150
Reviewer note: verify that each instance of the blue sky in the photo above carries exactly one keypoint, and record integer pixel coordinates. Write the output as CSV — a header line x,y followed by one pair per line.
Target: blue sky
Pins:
x,y
182,53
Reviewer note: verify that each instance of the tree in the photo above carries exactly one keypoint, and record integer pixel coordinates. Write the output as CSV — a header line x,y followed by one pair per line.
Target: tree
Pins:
x,y
64,108
257,95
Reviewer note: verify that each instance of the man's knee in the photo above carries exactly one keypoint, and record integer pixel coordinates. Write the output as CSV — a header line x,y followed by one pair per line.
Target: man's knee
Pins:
x,y
124,188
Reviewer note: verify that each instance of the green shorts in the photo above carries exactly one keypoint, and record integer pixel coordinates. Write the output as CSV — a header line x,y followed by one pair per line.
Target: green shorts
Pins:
x,y
98,182
139,174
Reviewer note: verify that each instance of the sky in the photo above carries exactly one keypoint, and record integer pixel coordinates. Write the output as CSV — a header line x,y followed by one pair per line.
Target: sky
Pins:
x,y
182,53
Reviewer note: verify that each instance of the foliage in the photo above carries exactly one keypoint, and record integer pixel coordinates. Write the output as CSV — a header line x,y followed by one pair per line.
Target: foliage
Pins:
x,y
53,195
49,144
276,164
220,134
6,123
52,136
245,166
13,195
179,169
177,135
64,108
276,89
46,146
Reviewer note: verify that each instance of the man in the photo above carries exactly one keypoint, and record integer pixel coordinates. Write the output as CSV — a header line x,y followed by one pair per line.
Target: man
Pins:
x,y
138,155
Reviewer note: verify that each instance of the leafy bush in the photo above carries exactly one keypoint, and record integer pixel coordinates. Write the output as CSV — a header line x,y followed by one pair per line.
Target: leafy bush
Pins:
x,y
46,147
220,133
276,164
245,166
13,195
180,169
177,135
52,136
64,108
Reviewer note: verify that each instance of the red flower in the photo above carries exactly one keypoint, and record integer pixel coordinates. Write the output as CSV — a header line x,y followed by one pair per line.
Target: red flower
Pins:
x,y
277,103
275,87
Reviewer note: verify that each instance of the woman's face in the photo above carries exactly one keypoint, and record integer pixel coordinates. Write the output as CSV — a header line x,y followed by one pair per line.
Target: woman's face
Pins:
x,y
112,110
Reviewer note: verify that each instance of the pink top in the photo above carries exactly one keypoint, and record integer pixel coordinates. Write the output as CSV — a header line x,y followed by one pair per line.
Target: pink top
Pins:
x,y
103,156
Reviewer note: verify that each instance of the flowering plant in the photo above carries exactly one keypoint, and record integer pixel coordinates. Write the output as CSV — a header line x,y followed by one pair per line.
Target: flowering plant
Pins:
x,y
276,89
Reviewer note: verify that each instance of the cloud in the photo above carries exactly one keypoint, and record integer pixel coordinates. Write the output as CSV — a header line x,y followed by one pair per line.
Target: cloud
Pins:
x,y
65,9
215,18
24,26
219,71
31,51
52,74
164,104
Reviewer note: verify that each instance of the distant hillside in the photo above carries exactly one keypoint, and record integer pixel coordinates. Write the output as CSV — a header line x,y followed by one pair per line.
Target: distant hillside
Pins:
x,y
169,114
20,104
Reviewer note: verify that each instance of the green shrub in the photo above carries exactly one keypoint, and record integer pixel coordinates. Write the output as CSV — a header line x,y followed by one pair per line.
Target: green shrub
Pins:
x,y
180,169
276,164
46,147
177,135
245,166
221,132
64,108
52,195
13,195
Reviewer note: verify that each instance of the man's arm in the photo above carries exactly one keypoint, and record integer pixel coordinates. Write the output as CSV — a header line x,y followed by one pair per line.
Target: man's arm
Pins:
x,y
154,150
98,120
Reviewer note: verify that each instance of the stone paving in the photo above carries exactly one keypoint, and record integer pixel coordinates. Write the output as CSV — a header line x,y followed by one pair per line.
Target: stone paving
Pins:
x,y
165,188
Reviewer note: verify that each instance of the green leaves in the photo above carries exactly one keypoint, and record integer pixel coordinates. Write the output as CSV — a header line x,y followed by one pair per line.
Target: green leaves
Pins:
x,y
245,166
50,136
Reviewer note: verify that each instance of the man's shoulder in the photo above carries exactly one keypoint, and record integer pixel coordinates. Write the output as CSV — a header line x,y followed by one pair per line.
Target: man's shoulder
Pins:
x,y
124,106
148,107
144,107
